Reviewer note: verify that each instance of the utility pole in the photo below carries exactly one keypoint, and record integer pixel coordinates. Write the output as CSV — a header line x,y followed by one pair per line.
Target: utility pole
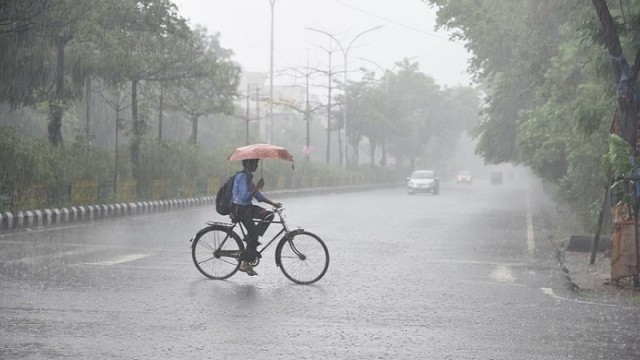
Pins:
x,y
248,118
307,114
258,103
330,74
330,77
345,54
383,138
87,97
160,112
270,122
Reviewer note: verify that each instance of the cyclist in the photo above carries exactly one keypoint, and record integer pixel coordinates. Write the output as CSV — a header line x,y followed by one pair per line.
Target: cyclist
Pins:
x,y
244,211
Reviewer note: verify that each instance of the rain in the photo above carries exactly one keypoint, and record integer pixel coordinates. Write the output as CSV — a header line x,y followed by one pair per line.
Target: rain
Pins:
x,y
434,179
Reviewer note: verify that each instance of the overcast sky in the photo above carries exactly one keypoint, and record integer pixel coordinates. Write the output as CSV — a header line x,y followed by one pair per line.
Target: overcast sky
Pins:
x,y
407,32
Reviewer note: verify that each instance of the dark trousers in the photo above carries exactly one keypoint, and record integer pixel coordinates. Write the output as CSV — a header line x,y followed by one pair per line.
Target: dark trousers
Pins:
x,y
247,214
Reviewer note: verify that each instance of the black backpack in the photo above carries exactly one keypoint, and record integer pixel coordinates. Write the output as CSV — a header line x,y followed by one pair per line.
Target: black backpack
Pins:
x,y
224,196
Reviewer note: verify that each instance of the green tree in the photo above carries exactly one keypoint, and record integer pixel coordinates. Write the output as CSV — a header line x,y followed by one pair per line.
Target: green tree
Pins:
x,y
411,111
212,87
42,26
511,45
148,42
549,100
407,109
23,54
626,75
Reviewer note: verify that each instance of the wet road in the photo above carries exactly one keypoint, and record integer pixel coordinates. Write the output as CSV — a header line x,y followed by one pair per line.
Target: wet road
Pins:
x,y
467,274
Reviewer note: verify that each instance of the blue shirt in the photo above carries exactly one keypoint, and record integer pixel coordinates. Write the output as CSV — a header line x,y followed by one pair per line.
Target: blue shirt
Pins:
x,y
241,193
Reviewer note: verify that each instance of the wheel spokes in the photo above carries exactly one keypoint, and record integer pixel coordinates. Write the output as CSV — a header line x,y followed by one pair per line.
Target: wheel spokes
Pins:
x,y
216,254
304,259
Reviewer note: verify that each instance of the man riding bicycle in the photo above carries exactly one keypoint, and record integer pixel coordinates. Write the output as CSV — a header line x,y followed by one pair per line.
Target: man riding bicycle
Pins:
x,y
243,210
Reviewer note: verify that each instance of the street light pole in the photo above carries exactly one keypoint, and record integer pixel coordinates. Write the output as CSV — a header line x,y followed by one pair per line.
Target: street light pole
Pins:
x,y
269,127
374,63
383,161
345,54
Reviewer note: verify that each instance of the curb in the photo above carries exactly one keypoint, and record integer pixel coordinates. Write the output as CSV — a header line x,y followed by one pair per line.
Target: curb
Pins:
x,y
560,255
76,214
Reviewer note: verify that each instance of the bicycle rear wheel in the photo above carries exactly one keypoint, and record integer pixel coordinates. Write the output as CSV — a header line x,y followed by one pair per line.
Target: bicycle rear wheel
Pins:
x,y
303,257
216,252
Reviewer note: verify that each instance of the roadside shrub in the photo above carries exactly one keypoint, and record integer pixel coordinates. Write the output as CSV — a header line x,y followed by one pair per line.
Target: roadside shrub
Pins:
x,y
171,169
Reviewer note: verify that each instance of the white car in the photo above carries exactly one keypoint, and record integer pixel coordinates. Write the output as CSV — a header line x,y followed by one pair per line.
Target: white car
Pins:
x,y
423,181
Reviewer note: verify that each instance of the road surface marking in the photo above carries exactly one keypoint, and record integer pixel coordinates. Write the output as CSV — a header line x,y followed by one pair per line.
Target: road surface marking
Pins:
x,y
54,255
549,292
502,273
531,244
121,260
474,262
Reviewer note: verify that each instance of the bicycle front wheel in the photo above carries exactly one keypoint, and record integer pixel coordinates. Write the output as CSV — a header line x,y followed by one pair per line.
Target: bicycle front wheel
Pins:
x,y
303,257
216,252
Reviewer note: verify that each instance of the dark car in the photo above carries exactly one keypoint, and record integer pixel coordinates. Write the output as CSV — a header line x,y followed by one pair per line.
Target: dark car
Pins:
x,y
464,177
423,181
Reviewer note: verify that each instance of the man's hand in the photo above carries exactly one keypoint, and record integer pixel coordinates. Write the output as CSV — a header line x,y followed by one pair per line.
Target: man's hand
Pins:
x,y
258,186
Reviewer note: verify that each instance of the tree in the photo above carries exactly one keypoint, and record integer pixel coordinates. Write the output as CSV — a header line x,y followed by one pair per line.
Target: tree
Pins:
x,y
414,97
360,96
212,86
28,28
23,54
148,42
370,108
626,118
511,45
406,109
548,94
23,16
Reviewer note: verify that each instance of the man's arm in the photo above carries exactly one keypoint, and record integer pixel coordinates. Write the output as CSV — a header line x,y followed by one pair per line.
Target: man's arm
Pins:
x,y
258,195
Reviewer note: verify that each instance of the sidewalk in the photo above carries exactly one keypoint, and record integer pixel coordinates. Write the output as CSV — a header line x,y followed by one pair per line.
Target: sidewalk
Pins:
x,y
594,281
591,282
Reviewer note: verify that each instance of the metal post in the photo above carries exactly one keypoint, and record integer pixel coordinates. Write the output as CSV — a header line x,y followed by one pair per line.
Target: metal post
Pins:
x,y
306,110
345,53
386,88
329,108
269,128
247,129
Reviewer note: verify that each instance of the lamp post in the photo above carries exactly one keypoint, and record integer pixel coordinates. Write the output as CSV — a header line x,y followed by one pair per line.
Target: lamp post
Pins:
x,y
345,54
269,127
374,63
384,128
384,72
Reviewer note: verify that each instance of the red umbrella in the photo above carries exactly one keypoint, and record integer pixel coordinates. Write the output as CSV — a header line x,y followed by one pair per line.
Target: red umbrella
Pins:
x,y
261,151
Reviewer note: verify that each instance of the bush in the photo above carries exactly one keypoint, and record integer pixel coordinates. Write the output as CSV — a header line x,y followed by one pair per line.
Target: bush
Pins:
x,y
182,168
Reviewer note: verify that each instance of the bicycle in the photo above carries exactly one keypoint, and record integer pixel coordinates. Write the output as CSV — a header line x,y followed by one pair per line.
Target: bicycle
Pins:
x,y
301,255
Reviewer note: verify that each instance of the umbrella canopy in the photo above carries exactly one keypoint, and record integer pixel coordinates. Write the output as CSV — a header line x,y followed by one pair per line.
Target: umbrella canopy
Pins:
x,y
261,151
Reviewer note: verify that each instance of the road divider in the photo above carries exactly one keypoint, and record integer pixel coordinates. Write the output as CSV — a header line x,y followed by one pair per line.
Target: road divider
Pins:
x,y
34,219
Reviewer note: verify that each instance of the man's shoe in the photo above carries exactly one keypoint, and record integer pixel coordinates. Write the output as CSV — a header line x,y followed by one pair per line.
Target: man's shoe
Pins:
x,y
251,272
245,267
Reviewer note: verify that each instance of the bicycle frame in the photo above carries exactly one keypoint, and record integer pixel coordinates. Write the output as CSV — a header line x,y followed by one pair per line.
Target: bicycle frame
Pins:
x,y
284,230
